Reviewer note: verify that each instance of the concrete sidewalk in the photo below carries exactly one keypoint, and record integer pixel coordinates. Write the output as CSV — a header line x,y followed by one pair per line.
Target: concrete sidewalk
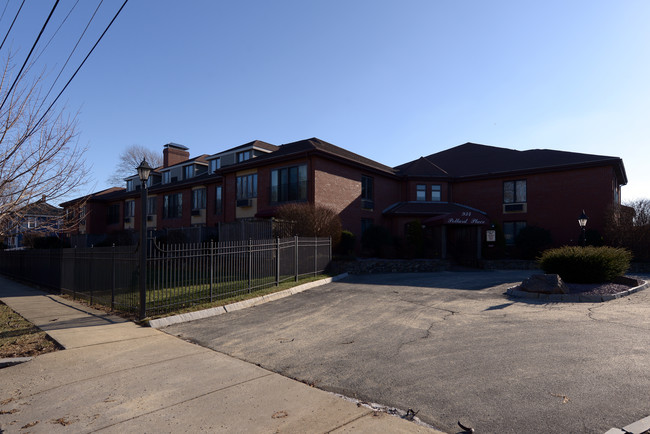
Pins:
x,y
115,376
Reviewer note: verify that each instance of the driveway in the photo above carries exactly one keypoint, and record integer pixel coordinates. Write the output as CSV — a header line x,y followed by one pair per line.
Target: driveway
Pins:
x,y
452,346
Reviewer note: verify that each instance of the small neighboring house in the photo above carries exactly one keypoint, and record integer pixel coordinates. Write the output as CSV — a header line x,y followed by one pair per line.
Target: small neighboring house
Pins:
x,y
38,218
457,193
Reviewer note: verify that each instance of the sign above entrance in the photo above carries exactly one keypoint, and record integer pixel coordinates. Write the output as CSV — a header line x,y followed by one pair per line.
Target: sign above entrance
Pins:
x,y
468,218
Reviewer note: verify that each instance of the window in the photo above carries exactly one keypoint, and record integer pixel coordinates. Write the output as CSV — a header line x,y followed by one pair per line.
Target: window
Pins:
x,y
215,165
436,193
152,205
129,185
166,177
365,224
114,214
247,186
514,191
367,192
420,192
511,230
218,203
32,222
243,156
129,208
173,206
188,172
289,184
198,198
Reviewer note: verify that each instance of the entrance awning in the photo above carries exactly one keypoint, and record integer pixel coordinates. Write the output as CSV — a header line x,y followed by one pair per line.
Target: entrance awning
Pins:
x,y
438,213
465,218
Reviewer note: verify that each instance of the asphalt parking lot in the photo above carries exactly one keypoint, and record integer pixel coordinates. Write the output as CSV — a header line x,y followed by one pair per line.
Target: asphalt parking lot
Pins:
x,y
452,346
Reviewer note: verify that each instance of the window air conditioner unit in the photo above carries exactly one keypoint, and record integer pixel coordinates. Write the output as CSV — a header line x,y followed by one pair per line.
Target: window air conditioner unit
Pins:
x,y
127,219
241,203
149,218
514,208
196,212
367,204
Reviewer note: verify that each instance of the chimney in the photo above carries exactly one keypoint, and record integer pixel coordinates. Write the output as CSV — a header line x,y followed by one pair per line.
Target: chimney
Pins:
x,y
173,153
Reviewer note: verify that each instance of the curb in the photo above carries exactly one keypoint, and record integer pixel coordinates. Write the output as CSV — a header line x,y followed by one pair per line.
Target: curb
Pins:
x,y
214,311
574,298
11,361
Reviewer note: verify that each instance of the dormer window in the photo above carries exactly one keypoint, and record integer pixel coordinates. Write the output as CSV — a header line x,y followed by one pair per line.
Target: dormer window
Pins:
x,y
243,156
166,177
188,172
129,185
215,165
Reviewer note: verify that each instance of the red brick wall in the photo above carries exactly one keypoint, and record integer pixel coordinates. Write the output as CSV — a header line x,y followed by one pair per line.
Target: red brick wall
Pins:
x,y
339,187
554,200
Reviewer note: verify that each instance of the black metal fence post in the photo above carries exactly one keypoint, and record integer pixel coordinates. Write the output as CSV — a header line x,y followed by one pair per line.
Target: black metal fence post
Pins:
x,y
250,264
277,261
211,270
113,277
295,255
90,272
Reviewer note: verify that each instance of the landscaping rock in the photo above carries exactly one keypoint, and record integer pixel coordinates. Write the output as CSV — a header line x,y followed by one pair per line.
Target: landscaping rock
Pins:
x,y
545,284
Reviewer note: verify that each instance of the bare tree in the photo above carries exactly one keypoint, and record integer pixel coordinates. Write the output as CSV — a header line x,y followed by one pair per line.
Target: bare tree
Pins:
x,y
131,158
311,220
629,226
39,153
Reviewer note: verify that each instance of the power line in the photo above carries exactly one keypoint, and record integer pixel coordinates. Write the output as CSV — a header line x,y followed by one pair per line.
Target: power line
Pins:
x,y
56,31
76,71
30,53
12,23
4,10
71,53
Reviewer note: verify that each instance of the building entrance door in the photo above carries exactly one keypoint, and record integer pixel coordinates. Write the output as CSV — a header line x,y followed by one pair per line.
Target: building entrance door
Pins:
x,y
462,245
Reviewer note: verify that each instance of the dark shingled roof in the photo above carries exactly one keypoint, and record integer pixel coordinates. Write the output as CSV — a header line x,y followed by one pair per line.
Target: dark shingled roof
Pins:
x,y
317,145
106,194
255,143
42,208
474,160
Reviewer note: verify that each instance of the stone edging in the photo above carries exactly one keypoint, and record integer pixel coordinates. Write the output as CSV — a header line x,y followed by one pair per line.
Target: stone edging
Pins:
x,y
574,298
214,311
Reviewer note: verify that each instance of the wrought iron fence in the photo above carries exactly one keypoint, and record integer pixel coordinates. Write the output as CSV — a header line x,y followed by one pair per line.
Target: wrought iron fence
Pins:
x,y
178,276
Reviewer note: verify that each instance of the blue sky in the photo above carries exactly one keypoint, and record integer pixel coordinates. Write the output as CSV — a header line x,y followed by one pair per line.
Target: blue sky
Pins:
x,y
389,80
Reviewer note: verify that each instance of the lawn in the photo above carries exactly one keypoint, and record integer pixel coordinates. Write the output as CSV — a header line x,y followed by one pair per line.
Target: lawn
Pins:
x,y
187,298
20,338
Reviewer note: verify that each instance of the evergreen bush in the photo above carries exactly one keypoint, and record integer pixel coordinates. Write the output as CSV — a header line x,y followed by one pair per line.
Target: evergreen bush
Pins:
x,y
377,241
531,241
586,264
347,243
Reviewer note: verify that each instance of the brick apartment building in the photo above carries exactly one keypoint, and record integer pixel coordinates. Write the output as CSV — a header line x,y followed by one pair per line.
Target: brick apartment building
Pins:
x,y
457,193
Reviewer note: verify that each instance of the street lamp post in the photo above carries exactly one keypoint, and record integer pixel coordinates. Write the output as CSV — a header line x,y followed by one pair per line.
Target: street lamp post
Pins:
x,y
582,222
143,173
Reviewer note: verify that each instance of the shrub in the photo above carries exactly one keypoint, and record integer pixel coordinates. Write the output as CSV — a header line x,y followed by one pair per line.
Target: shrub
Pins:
x,y
586,264
531,241
347,243
377,241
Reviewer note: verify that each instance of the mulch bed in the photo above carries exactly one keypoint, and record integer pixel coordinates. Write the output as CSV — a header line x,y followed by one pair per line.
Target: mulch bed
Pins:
x,y
597,288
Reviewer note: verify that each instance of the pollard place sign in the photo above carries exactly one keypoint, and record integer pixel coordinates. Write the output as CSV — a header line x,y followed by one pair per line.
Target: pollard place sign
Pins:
x,y
468,218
